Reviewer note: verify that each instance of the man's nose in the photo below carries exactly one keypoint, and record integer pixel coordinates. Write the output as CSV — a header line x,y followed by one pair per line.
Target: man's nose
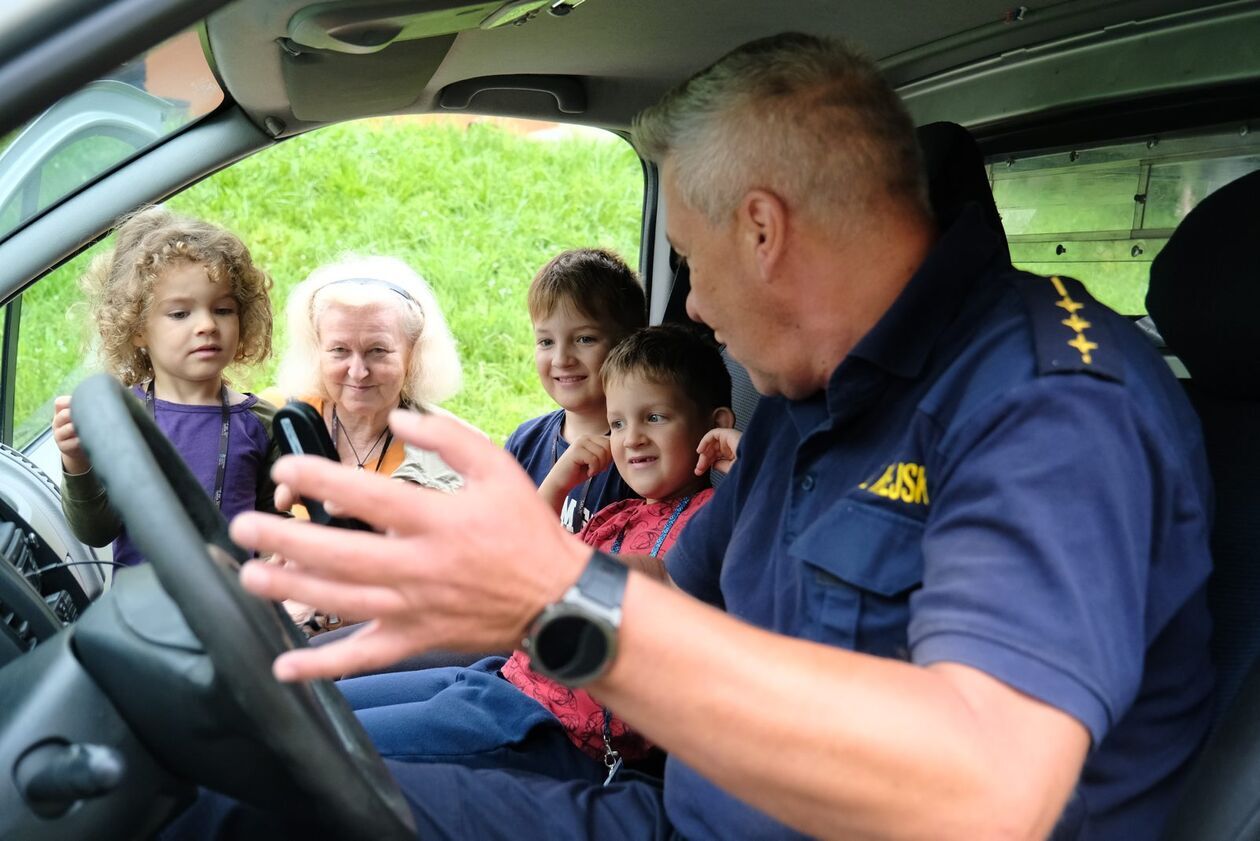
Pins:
x,y
692,311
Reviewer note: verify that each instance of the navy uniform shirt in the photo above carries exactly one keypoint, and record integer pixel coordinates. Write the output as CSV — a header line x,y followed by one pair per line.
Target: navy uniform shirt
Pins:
x,y
537,444
1004,474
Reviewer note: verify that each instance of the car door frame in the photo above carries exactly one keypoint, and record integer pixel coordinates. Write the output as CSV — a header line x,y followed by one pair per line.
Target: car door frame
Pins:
x,y
35,36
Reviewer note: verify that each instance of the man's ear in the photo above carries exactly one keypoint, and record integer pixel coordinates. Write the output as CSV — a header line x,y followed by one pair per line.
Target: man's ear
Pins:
x,y
723,418
763,220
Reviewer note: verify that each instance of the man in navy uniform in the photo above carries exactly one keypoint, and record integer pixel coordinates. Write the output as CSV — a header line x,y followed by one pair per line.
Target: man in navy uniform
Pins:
x,y
954,585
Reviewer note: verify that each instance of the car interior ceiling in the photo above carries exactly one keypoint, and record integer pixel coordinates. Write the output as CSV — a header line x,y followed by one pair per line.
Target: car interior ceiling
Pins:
x,y
262,53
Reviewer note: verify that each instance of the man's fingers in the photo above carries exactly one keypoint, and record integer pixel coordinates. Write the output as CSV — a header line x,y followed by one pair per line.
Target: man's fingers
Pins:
x,y
284,498
358,493
367,649
280,583
322,548
466,450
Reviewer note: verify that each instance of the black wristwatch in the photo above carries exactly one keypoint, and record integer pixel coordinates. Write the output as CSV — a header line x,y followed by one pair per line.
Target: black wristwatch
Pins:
x,y
573,641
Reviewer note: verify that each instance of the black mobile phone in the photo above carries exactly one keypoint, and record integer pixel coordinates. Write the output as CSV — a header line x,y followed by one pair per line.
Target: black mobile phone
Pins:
x,y
300,430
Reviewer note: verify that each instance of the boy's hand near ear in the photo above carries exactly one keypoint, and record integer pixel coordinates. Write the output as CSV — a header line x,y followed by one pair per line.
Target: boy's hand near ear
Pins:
x,y
585,458
717,450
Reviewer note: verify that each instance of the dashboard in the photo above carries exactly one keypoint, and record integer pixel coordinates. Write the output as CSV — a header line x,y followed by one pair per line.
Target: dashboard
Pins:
x,y
47,578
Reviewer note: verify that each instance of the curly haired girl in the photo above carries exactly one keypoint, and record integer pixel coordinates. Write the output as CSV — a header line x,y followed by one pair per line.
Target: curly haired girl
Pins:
x,y
175,303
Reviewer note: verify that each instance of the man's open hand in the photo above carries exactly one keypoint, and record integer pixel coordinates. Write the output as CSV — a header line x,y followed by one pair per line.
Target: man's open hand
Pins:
x,y
465,571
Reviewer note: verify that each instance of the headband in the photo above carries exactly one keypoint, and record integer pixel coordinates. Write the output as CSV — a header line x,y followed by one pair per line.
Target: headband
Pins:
x,y
374,281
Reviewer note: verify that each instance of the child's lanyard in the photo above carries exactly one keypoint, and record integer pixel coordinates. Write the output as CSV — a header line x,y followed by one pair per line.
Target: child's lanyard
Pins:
x,y
224,433
612,759
660,541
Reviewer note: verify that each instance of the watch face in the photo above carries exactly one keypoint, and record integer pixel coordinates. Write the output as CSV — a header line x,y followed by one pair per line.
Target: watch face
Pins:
x,y
571,647
573,640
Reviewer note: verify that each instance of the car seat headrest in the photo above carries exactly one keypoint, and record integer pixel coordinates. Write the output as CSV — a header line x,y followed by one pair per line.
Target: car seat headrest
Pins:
x,y
1205,290
955,173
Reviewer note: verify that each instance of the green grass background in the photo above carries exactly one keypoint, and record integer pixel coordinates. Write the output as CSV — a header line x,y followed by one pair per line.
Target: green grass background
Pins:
x,y
476,210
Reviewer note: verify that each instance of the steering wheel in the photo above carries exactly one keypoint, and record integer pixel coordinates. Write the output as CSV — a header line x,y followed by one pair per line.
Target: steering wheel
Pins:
x,y
308,728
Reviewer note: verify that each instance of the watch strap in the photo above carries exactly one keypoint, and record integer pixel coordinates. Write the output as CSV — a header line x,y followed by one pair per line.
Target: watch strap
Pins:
x,y
603,581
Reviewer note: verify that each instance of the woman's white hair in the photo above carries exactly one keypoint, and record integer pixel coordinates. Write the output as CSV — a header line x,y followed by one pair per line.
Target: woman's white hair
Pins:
x,y
433,371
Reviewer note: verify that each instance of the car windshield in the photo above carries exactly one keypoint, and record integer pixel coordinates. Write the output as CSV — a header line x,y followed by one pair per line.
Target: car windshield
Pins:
x,y
461,199
103,124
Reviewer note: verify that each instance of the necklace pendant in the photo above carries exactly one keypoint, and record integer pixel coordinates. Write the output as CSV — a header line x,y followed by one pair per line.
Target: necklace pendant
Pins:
x,y
359,466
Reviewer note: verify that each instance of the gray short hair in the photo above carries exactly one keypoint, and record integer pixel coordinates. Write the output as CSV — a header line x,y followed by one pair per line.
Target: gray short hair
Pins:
x,y
807,118
433,369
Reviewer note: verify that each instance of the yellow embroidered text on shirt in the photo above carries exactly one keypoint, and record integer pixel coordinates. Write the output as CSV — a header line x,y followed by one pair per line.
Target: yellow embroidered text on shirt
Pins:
x,y
901,481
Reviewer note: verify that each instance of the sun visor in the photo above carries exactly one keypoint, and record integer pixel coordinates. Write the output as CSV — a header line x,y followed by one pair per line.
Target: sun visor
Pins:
x,y
355,27
331,86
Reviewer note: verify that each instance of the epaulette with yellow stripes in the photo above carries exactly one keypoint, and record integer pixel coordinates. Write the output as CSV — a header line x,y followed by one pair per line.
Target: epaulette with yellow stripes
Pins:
x,y
1070,332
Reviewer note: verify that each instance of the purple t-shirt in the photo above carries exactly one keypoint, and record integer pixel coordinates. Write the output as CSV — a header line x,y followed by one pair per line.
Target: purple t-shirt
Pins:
x,y
195,432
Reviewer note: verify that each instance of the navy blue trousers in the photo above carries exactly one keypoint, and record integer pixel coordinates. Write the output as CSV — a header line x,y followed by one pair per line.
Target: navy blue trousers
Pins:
x,y
465,716
451,802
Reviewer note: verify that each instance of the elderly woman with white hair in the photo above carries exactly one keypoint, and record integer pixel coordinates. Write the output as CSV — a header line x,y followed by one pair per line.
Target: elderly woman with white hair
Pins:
x,y
365,337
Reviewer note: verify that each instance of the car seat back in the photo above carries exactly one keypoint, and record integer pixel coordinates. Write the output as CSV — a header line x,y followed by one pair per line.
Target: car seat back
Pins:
x,y
1204,297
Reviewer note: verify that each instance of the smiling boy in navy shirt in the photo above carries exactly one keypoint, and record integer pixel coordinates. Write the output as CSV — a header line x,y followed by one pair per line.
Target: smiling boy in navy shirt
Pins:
x,y
582,303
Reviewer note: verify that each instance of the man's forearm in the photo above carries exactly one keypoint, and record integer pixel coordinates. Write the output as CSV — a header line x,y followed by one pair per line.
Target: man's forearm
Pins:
x,y
832,742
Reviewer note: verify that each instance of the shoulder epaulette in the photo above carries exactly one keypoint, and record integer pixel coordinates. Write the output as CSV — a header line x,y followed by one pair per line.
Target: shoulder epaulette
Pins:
x,y
1070,330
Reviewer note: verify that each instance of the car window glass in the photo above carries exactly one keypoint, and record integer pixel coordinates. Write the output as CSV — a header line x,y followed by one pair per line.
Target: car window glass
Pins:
x,y
92,130
52,345
1052,202
475,206
1102,214
1176,188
